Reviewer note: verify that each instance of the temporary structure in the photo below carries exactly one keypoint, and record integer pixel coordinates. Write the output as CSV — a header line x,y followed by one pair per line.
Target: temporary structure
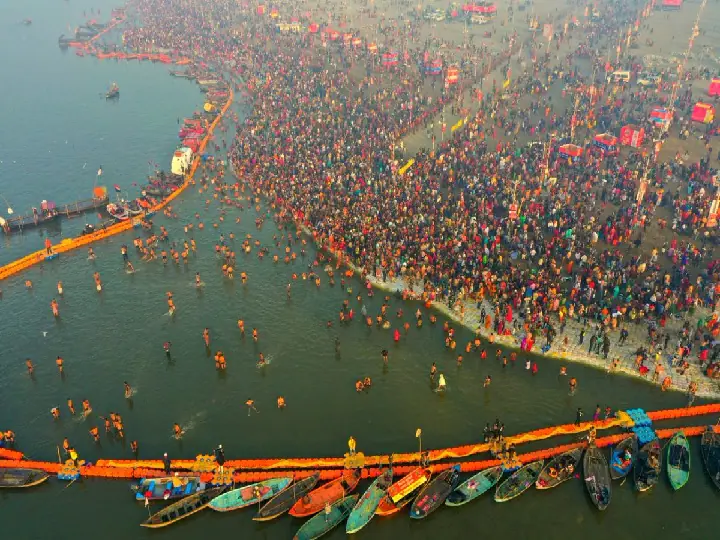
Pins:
x,y
632,135
606,142
703,112
714,89
570,150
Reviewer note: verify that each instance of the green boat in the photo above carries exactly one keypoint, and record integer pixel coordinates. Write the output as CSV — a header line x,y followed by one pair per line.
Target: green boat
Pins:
x,y
519,482
326,521
247,495
678,460
474,486
365,508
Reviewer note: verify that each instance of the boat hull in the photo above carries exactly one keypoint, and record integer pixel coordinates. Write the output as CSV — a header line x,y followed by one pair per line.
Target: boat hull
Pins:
x,y
710,451
169,487
619,468
323,523
559,470
21,478
248,495
648,466
364,510
182,509
329,493
519,482
433,495
597,477
285,499
475,486
678,461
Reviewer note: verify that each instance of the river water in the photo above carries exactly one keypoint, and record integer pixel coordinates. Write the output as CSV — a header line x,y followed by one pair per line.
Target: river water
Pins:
x,y
117,335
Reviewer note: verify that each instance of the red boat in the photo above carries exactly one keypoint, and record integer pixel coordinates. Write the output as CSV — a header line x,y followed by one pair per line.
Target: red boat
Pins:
x,y
329,493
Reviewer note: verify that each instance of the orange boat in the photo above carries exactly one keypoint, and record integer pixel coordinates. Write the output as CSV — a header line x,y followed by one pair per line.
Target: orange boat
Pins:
x,y
329,493
402,491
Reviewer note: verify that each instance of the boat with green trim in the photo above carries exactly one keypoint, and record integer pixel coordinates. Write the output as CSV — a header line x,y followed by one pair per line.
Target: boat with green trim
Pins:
x,y
182,508
364,510
519,482
326,521
475,486
248,495
678,460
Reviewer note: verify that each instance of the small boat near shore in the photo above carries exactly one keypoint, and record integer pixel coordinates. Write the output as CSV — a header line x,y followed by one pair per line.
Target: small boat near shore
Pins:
x,y
365,508
402,492
433,495
168,487
323,523
181,509
648,466
329,493
519,482
475,486
623,457
561,469
710,451
597,477
678,460
21,478
285,499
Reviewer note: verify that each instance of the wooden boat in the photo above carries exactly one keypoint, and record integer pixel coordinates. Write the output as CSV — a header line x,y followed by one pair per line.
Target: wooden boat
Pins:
x,y
620,462
559,470
283,501
364,509
328,493
167,487
320,524
519,482
21,478
710,450
400,494
678,460
433,495
182,508
597,477
475,486
647,466
247,495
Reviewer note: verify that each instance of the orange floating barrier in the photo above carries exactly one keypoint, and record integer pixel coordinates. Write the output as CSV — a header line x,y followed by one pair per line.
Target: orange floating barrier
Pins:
x,y
7,453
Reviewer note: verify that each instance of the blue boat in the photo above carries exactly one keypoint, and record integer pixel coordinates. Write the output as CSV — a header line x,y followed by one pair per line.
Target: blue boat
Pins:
x,y
623,457
247,495
365,508
167,487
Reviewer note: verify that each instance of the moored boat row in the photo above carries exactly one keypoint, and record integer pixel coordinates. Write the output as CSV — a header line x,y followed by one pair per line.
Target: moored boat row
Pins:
x,y
330,504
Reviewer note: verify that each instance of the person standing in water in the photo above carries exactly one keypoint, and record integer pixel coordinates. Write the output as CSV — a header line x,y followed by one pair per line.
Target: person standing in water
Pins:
x,y
128,390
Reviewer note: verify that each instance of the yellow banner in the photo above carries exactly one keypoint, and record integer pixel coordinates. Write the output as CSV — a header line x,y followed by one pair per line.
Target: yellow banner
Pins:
x,y
405,167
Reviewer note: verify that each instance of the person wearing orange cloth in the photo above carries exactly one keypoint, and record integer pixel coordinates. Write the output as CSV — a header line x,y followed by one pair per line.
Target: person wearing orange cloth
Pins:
x,y
59,364
94,434
71,406
55,308
281,402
